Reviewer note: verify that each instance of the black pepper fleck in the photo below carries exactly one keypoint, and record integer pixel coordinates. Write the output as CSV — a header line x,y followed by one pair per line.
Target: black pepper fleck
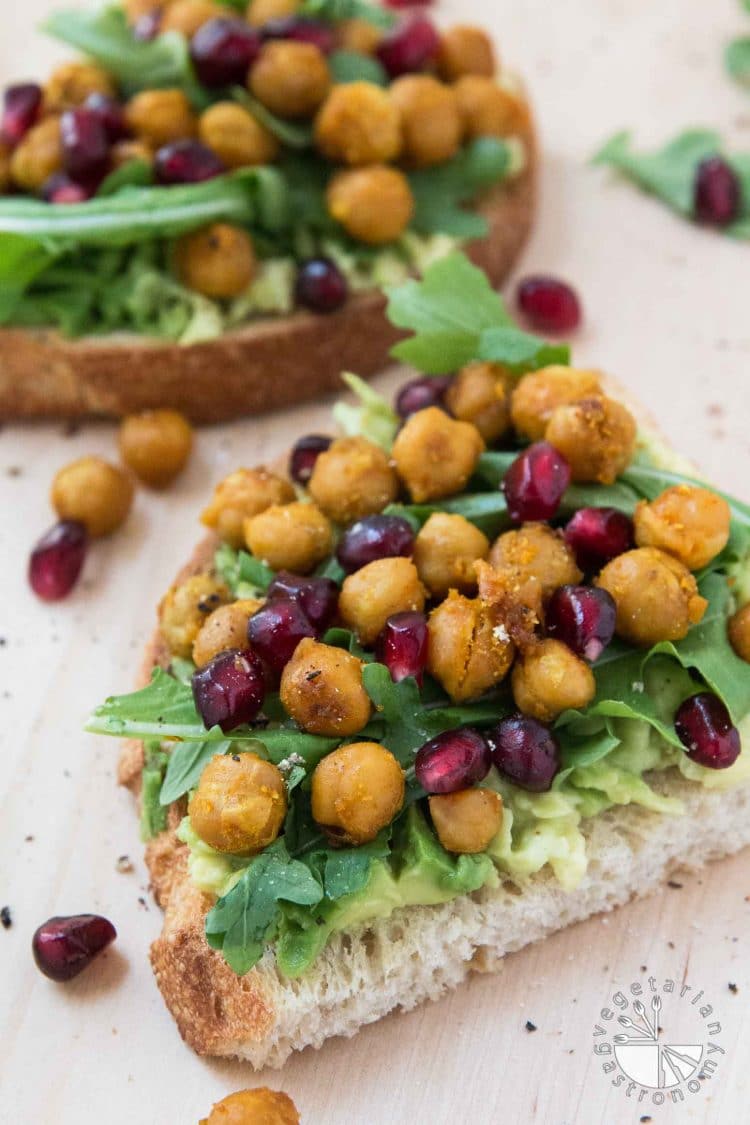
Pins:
x,y
530,1026
674,884
235,757
313,675
6,918
646,1118
733,987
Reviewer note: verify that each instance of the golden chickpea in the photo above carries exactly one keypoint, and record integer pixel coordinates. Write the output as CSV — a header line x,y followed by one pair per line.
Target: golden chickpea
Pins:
x,y
156,445
223,629
435,455
160,116
359,124
292,537
292,79
38,156
254,1107
217,261
479,395
242,494
656,596
597,436
353,479
538,394
739,633
688,522
375,592
446,551
94,492
468,821
237,138
489,110
431,122
534,560
465,50
322,689
239,805
71,83
470,650
548,678
262,11
374,205
124,152
186,608
360,36
189,16
356,792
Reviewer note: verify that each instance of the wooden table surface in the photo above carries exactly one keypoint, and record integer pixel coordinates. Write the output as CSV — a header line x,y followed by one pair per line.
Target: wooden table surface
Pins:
x,y
667,312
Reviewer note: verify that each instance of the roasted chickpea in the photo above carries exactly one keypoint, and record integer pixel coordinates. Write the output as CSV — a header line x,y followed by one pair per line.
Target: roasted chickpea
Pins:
x,y
430,119
217,261
186,608
597,437
239,805
548,678
291,78
254,1107
375,592
479,395
71,83
538,394
435,455
156,445
263,11
94,492
160,116
360,36
688,522
356,792
656,596
470,650
322,689
374,205
468,821
739,633
223,629
189,16
38,156
242,494
465,50
124,152
534,560
488,109
445,554
359,124
353,479
237,138
292,537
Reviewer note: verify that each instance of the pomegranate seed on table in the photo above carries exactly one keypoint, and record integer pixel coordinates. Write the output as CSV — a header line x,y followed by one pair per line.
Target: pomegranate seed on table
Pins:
x,y
85,143
418,394
548,304
304,455
598,535
147,26
302,30
223,50
57,559
526,752
60,188
454,760
583,618
22,106
704,727
230,690
717,192
110,113
275,631
409,47
186,162
318,597
374,537
64,947
535,483
402,646
320,286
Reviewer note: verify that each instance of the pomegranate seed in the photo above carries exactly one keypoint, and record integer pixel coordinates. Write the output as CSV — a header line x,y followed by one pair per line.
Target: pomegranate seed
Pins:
x,y
21,108
147,26
110,113
85,143
375,537
420,393
402,646
410,46
535,483
717,192
583,618
304,455
526,752
223,50
57,559
276,630
598,535
321,286
318,597
230,690
187,162
64,947
549,305
60,188
321,35
408,3
455,760
704,727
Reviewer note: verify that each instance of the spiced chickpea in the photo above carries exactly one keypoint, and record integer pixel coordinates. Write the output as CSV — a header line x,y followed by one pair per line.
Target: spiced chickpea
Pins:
x,y
322,690
158,117
353,479
189,16
239,805
468,821
533,560
739,633
291,78
656,596
186,608
374,205
470,651
242,494
597,437
223,629
360,36
156,445
254,1107
124,152
430,119
94,492
688,522
446,551
38,156
435,455
263,11
292,537
479,394
465,50
358,124
548,678
375,592
237,138
72,82
539,393
217,261
489,109
356,792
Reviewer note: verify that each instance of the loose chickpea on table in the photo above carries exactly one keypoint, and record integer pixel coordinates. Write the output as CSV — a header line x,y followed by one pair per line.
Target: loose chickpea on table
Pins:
x,y
254,1107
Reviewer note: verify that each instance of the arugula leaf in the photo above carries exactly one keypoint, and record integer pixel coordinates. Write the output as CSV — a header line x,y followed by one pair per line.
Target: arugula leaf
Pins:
x,y
737,59
373,417
242,572
337,10
344,638
22,260
488,510
353,66
346,871
135,173
291,133
153,816
440,192
520,351
187,762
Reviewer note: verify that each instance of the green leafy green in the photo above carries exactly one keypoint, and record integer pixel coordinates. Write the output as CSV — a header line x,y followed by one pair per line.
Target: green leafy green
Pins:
x,y
520,351
294,134
441,193
153,815
347,870
737,59
372,416
22,260
488,510
135,173
245,575
353,66
337,10
187,761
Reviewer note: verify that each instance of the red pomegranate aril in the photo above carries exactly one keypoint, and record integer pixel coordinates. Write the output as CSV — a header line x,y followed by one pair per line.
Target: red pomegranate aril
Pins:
x,y
85,143
147,27
549,305
583,618
526,752
717,192
304,455
22,105
321,35
110,113
402,646
374,537
408,3
57,559
318,597
275,631
230,690
419,394
705,728
535,483
61,188
187,162
64,947
223,50
454,760
598,535
409,47
321,286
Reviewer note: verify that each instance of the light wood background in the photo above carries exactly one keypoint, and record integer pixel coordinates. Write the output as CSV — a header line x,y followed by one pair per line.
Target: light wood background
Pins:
x,y
666,311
